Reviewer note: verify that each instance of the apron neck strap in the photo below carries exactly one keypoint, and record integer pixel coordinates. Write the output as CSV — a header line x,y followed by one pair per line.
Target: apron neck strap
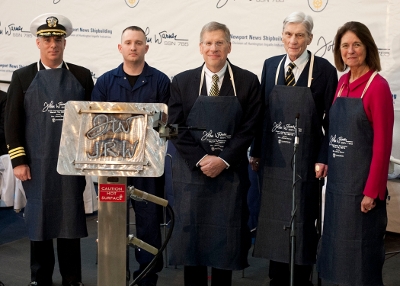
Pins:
x,y
230,74
365,88
369,82
309,71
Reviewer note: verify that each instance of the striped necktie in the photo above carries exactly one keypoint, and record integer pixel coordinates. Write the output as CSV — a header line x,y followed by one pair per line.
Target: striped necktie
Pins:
x,y
289,79
214,91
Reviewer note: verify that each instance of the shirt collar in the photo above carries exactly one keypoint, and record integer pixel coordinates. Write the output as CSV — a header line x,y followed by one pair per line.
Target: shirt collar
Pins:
x,y
300,62
48,68
220,73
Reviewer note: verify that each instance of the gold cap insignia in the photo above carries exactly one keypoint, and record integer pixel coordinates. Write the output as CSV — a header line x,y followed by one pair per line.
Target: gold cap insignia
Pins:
x,y
52,22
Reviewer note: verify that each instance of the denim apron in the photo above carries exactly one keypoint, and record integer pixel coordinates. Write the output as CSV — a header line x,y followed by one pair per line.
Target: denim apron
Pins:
x,y
211,213
273,241
55,207
351,250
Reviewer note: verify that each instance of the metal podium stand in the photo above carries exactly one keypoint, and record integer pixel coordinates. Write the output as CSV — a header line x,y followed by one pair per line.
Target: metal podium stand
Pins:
x,y
112,241
113,140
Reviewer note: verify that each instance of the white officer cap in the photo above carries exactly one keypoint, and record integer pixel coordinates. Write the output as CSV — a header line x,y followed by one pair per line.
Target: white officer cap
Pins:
x,y
51,24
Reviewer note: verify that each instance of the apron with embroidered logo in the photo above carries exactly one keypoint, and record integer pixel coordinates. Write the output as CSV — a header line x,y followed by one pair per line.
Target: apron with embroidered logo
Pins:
x,y
273,241
351,250
54,202
211,218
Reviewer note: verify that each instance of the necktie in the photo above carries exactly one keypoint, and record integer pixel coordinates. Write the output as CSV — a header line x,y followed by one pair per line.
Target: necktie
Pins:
x,y
289,79
214,91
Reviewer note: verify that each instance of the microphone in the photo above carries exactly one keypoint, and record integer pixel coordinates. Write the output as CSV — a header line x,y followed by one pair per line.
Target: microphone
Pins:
x,y
296,130
139,195
141,244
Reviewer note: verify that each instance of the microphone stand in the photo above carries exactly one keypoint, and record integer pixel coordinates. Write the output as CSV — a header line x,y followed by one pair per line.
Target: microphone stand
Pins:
x,y
294,207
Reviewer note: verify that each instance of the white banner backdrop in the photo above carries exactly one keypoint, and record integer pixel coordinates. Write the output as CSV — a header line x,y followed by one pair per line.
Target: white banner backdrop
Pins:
x,y
173,28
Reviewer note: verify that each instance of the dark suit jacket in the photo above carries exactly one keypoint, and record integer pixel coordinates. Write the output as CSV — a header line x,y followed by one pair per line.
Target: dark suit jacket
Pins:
x,y
184,93
3,101
15,111
323,88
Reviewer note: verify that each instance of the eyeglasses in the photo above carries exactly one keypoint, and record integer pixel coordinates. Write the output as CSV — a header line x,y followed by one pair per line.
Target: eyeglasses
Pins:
x,y
217,44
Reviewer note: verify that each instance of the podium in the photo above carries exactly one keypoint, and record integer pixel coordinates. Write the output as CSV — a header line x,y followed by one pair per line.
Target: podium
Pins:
x,y
113,140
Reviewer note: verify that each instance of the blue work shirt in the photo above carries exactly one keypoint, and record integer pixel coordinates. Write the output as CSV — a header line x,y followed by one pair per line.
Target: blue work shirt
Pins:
x,y
152,86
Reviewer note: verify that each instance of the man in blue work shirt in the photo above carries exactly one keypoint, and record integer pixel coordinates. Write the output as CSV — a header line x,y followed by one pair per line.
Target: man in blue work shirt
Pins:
x,y
135,81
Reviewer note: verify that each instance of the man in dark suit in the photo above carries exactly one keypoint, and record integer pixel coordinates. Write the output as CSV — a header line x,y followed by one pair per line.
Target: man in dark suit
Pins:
x,y
298,90
34,114
3,101
217,105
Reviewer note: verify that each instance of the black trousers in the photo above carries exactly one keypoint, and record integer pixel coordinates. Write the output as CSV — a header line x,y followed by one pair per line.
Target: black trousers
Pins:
x,y
43,260
280,274
148,217
198,276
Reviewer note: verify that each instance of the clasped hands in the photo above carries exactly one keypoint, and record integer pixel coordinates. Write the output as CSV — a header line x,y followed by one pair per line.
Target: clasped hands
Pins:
x,y
212,166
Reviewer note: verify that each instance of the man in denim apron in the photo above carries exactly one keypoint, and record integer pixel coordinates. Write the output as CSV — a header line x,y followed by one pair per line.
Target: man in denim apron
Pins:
x,y
210,178
294,85
33,124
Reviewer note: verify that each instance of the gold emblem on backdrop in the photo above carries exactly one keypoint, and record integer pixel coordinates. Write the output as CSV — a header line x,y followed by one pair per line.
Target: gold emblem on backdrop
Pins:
x,y
132,3
317,5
